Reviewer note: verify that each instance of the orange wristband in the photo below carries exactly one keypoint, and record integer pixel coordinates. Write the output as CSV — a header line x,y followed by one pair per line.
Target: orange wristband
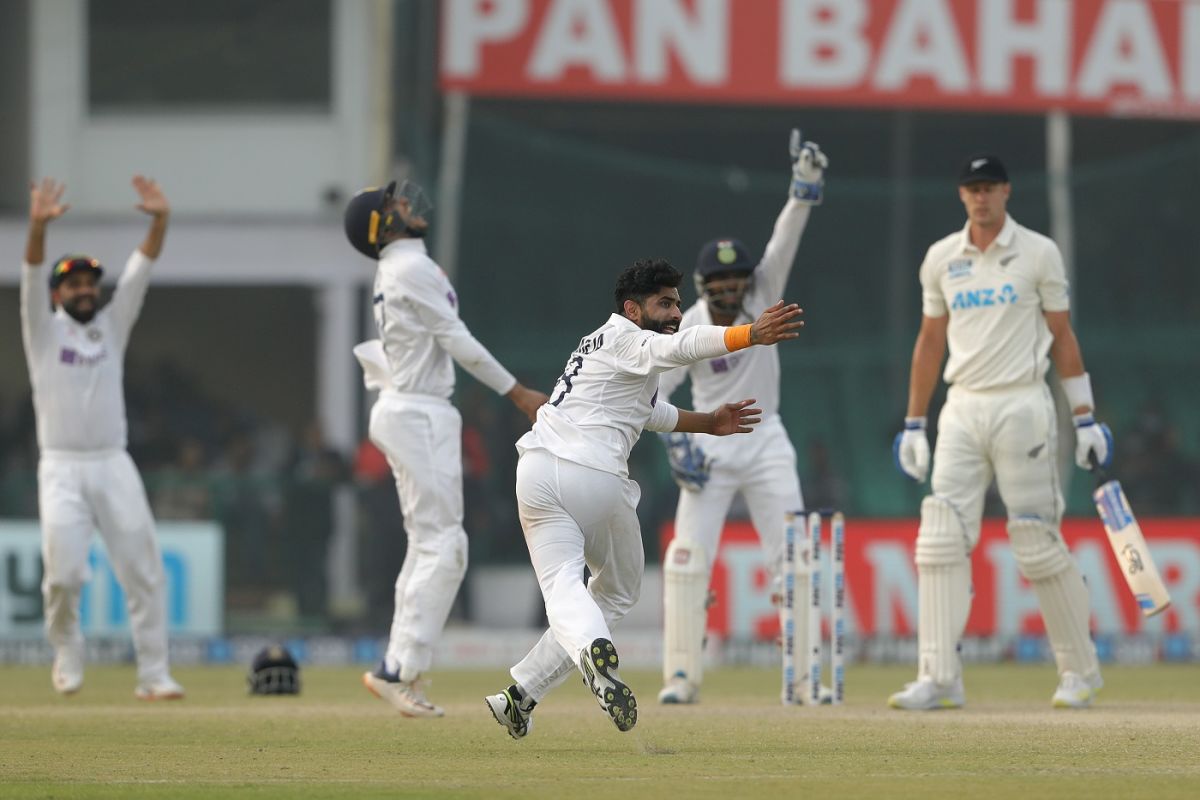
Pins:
x,y
737,337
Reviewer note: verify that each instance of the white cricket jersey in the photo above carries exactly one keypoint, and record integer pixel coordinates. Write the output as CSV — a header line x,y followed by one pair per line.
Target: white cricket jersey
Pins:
x,y
608,392
997,333
416,312
77,370
753,372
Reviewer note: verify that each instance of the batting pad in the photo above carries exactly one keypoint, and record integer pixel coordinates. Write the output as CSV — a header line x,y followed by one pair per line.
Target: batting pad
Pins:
x,y
685,600
1062,594
943,590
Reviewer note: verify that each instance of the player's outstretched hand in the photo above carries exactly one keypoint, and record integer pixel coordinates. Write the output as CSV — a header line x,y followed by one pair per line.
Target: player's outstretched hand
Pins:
x,y
45,200
735,418
527,400
777,323
153,201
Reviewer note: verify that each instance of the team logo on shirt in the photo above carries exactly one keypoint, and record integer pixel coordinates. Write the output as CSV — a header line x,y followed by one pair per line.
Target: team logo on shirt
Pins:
x,y
452,297
71,356
724,363
1004,262
959,268
94,334
1006,295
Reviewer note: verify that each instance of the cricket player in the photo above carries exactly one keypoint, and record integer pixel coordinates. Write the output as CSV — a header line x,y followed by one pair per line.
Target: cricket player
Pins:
x,y
415,425
576,501
710,471
995,292
86,480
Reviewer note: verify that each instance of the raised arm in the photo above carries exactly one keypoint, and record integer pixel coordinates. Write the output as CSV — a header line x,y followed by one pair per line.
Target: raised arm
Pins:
x,y
45,206
806,190
154,203
127,300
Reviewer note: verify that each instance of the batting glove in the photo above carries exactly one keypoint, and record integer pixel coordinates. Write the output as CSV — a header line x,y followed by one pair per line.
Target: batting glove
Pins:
x,y
1092,437
910,449
689,465
808,170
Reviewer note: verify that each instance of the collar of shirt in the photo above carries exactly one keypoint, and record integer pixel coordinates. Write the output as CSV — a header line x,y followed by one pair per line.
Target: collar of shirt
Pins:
x,y
404,246
624,321
1004,238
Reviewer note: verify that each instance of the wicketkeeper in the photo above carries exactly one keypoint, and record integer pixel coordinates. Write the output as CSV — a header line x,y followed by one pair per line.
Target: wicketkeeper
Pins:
x,y
733,289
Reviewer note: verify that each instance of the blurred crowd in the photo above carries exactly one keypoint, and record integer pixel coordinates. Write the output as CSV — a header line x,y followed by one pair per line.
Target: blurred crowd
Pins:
x,y
274,488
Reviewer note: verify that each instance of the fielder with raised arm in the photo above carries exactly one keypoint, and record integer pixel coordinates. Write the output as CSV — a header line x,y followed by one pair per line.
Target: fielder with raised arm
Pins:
x,y
578,506
415,425
710,471
995,292
86,480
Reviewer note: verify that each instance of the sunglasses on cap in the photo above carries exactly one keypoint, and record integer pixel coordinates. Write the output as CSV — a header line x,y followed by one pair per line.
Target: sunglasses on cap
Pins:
x,y
69,264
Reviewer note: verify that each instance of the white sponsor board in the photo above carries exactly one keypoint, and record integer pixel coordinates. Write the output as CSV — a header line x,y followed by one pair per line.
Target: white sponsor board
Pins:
x,y
193,558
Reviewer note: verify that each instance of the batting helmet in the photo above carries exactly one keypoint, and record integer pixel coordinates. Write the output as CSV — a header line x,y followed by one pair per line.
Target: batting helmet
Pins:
x,y
721,256
274,671
69,264
364,218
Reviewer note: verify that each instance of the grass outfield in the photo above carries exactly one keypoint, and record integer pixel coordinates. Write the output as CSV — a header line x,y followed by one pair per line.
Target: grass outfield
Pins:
x,y
336,740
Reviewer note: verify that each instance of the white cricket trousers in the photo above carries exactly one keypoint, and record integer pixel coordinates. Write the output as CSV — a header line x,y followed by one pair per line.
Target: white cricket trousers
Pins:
x,y
1010,433
574,515
760,465
77,494
421,436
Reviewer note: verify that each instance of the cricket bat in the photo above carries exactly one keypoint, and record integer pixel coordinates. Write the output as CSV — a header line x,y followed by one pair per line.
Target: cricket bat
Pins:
x,y
1129,545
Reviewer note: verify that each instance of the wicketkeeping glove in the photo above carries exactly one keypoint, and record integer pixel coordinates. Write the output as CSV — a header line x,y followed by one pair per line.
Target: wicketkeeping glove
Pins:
x,y
1092,437
910,449
808,170
689,465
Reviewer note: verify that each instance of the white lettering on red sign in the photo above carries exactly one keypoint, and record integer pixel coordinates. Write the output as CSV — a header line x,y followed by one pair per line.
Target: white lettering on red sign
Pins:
x,y
699,40
822,44
1045,40
469,24
922,42
1125,50
1092,56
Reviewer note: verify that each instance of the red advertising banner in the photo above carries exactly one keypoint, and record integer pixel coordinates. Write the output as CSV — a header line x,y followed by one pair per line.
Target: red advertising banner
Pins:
x,y
881,580
1107,57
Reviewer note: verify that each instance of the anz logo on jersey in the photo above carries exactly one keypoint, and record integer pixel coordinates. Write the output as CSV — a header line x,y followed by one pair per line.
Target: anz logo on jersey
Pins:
x,y
1006,295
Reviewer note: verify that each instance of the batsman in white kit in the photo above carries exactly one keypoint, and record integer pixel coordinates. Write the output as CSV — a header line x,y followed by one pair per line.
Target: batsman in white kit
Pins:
x,y
577,503
415,425
86,480
710,471
995,293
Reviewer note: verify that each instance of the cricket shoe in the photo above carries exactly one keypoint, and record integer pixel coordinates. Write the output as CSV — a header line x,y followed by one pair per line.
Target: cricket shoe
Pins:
x,y
407,697
598,662
67,672
508,712
679,691
925,695
162,689
1076,691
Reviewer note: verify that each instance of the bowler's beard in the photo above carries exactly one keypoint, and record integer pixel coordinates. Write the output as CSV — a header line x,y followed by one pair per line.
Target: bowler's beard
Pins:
x,y
80,315
659,326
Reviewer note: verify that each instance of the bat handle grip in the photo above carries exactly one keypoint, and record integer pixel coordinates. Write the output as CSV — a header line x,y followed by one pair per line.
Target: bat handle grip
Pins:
x,y
1097,470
